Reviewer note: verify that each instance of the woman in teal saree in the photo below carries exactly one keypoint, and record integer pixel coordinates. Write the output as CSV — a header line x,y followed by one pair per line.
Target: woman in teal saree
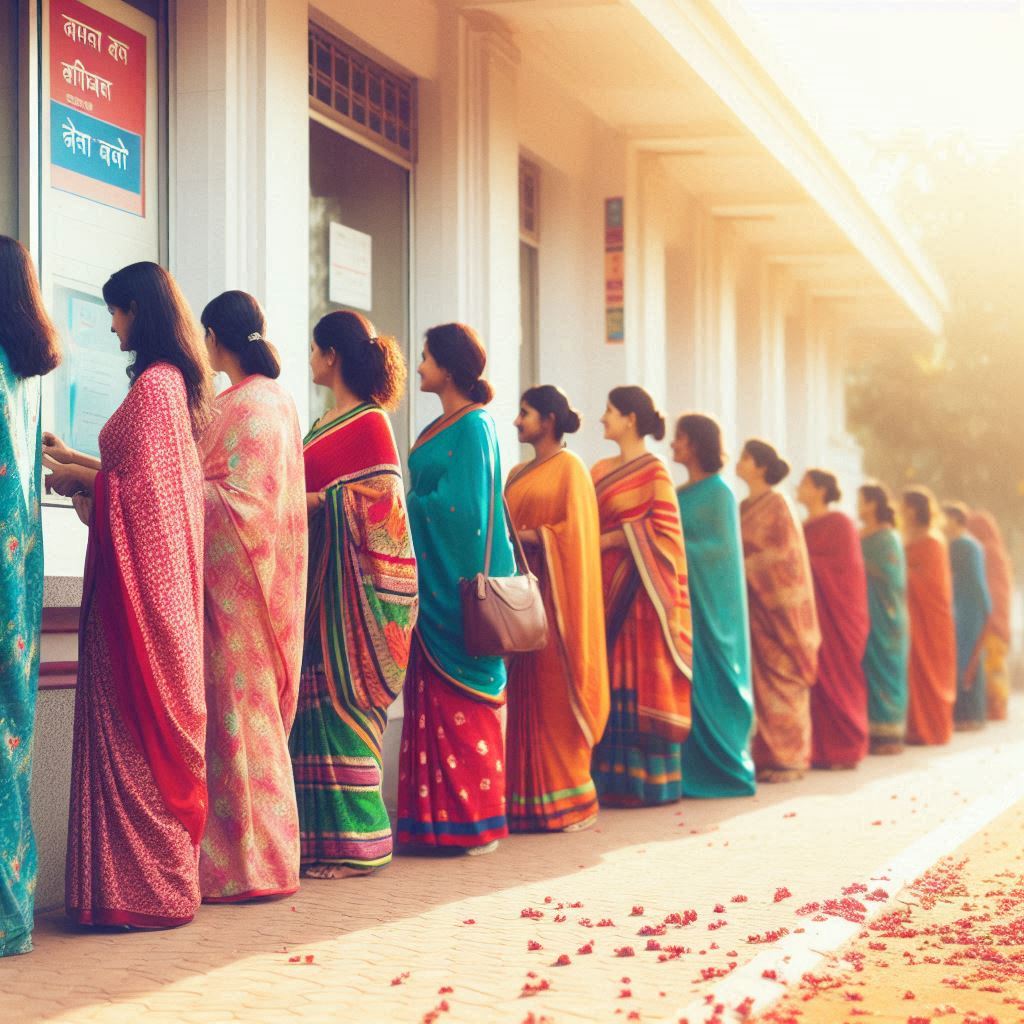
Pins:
x,y
28,349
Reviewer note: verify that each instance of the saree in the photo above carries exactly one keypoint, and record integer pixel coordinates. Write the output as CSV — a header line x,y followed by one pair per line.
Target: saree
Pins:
x,y
21,609
931,681
716,754
888,648
972,607
558,697
138,781
451,784
784,632
254,590
649,635
361,605
839,701
996,645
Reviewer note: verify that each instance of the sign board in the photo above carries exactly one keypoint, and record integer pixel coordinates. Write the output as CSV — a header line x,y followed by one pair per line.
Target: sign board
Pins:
x,y
350,254
614,272
97,107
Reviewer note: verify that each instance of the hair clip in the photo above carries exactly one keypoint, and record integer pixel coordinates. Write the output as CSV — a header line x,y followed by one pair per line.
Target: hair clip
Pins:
x,y
255,336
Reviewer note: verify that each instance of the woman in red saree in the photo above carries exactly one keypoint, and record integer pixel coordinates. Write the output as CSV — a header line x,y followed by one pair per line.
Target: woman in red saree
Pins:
x,y
255,582
931,682
138,781
647,612
784,631
839,703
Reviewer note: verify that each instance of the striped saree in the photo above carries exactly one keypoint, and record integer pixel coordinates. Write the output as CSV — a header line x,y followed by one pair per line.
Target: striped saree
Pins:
x,y
650,650
361,606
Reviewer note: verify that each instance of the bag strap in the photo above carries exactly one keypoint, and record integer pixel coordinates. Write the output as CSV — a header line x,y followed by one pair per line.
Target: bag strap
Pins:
x,y
517,545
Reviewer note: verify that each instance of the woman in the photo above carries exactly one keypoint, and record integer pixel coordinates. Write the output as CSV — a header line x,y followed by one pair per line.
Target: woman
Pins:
x,y
716,755
254,587
451,789
138,781
784,632
29,349
361,604
999,576
647,611
885,659
839,703
558,696
972,608
931,680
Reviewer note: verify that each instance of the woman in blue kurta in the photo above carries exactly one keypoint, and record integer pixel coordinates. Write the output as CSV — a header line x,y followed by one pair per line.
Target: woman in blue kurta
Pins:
x,y
28,349
716,755
885,658
972,607
451,789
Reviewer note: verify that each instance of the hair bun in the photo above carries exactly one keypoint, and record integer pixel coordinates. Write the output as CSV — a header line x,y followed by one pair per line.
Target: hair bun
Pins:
x,y
481,391
572,422
777,471
657,426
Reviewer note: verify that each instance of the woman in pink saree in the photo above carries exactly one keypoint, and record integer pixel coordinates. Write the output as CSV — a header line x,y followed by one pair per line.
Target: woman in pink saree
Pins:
x,y
255,586
138,782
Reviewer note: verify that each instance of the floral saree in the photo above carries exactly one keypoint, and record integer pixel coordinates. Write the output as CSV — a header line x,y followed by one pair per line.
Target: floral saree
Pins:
x,y
972,607
885,658
558,696
650,647
21,603
138,781
254,580
361,606
451,788
784,631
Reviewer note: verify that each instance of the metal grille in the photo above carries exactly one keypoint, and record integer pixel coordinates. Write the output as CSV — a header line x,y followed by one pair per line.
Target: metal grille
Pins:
x,y
361,94
529,201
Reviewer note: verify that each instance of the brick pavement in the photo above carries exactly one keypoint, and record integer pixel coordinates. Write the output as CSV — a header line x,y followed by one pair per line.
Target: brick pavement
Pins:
x,y
411,923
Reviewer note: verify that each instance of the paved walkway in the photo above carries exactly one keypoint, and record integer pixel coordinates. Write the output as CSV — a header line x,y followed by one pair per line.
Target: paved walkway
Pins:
x,y
449,939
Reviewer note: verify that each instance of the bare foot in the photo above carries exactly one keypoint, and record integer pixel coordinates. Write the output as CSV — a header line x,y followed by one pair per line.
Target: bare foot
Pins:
x,y
772,775
581,826
480,851
335,871
886,747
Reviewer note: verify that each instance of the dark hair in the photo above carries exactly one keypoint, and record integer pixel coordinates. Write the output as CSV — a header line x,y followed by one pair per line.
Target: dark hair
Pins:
x,y
957,511
825,481
705,435
372,366
877,494
633,400
239,325
27,333
163,331
457,349
765,457
551,401
922,503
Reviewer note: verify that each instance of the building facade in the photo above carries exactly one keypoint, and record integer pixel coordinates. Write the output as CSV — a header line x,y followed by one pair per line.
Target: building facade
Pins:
x,y
610,191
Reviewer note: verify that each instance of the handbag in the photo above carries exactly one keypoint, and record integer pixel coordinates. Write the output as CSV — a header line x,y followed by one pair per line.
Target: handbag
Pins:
x,y
503,615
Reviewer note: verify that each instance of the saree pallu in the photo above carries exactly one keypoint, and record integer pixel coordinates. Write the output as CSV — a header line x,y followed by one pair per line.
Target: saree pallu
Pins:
x,y
972,607
999,576
716,754
138,782
451,788
888,648
839,701
784,632
558,697
360,612
21,605
255,582
932,677
649,635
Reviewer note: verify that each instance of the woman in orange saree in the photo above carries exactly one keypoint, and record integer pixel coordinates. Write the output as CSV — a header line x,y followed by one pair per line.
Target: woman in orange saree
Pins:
x,y
784,631
254,588
558,696
647,612
999,574
932,676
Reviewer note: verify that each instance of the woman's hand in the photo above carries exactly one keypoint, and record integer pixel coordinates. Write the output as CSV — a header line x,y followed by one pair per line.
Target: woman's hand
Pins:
x,y
83,506
68,480
57,450
314,501
613,539
529,538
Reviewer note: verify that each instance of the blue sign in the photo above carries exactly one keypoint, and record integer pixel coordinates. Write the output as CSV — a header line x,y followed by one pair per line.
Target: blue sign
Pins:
x,y
94,148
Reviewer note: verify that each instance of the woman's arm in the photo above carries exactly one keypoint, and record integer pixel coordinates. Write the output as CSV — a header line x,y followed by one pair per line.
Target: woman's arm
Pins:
x,y
70,478
315,501
614,539
57,450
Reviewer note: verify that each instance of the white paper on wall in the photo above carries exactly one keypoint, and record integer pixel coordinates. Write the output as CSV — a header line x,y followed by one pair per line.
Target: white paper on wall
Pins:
x,y
350,282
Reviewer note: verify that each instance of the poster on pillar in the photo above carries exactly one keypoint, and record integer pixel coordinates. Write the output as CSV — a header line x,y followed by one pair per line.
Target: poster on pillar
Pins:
x,y
614,272
97,107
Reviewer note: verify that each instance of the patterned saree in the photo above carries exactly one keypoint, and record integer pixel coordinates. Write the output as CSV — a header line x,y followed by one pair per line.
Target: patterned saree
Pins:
x,y
361,606
21,603
650,651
